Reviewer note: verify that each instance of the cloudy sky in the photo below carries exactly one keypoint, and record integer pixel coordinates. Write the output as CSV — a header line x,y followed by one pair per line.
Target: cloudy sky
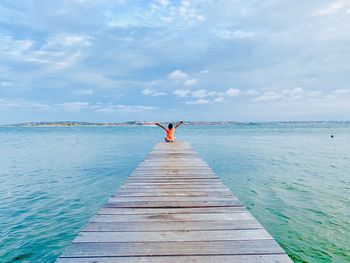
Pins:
x,y
118,60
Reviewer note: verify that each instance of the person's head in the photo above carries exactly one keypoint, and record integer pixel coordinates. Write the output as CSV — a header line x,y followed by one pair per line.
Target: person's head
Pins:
x,y
170,126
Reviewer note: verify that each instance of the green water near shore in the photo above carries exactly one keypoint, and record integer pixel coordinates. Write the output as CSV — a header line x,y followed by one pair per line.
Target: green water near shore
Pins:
x,y
293,177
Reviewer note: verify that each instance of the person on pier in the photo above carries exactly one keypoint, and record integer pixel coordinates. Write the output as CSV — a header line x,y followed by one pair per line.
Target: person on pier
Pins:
x,y
170,131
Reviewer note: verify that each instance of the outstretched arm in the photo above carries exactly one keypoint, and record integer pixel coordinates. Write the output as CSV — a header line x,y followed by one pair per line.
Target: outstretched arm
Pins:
x,y
178,125
160,125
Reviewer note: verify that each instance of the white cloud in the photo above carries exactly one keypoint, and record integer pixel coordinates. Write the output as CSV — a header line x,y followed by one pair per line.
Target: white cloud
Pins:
x,y
75,106
14,46
158,93
190,82
219,99
232,92
83,92
314,93
187,11
204,93
22,105
214,93
292,94
164,2
26,50
182,92
205,71
154,93
341,91
237,34
147,92
268,96
178,75
95,79
125,108
199,101
200,93
107,108
252,92
183,12
67,40
166,19
5,83
333,8
123,22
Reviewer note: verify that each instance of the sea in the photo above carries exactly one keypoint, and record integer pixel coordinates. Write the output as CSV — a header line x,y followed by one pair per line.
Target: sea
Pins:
x,y
294,177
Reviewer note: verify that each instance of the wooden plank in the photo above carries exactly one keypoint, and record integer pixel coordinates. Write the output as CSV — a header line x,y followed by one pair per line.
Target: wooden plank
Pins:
x,y
201,210
171,186
170,177
173,189
182,184
174,172
172,217
174,179
277,258
195,178
173,169
173,236
174,175
173,199
174,194
148,226
236,247
170,204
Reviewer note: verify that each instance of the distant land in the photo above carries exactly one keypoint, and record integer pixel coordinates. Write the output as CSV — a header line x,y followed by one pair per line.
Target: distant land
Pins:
x,y
128,123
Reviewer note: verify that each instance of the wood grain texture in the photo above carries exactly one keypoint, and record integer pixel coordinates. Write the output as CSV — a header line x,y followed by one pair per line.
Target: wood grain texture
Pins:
x,y
280,258
153,226
166,248
173,209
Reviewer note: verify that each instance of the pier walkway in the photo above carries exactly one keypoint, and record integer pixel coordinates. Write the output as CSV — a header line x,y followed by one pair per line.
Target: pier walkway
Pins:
x,y
172,209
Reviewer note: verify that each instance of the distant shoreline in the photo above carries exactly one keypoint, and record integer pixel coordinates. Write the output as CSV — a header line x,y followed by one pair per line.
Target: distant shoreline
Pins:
x,y
107,124
151,124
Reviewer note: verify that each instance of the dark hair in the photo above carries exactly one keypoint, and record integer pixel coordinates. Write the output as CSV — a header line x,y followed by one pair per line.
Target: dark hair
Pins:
x,y
170,126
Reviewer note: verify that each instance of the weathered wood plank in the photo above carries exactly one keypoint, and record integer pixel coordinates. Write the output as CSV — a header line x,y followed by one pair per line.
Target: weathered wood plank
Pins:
x,y
172,217
236,247
172,189
170,204
172,225
180,187
183,180
188,199
277,258
182,184
174,194
200,210
173,236
170,177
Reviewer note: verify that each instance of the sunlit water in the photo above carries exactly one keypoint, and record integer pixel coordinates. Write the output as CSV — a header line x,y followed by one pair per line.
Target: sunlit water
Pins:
x,y
293,177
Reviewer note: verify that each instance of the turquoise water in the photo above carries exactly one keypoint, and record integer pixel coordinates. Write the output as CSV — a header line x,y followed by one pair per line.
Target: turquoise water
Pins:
x,y
293,177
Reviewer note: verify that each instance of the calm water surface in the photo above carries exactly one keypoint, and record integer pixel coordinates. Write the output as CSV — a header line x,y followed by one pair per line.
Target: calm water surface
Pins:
x,y
293,177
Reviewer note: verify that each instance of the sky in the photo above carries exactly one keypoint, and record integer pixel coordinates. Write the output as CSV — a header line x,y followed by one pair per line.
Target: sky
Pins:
x,y
162,60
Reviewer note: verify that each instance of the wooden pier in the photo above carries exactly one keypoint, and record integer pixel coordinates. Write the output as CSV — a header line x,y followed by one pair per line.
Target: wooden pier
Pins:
x,y
173,208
